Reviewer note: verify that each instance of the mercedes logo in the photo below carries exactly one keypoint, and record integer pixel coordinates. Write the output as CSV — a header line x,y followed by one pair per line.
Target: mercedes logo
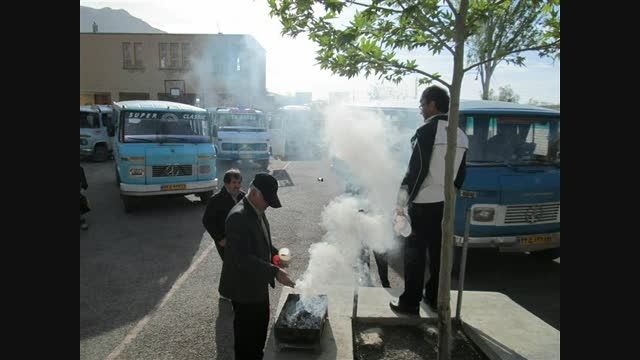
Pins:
x,y
173,170
533,213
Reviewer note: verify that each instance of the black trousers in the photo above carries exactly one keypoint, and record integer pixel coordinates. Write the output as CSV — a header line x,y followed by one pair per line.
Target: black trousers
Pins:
x,y
426,235
220,249
250,323
381,263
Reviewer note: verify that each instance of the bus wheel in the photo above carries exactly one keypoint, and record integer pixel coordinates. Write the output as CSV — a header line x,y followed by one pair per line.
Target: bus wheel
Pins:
x,y
264,164
101,153
117,177
547,255
129,203
205,196
457,260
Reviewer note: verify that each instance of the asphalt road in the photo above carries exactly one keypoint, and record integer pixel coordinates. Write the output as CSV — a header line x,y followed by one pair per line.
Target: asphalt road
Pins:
x,y
148,280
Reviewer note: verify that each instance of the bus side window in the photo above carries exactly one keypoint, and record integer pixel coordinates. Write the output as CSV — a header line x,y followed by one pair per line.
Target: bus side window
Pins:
x,y
106,119
468,126
107,122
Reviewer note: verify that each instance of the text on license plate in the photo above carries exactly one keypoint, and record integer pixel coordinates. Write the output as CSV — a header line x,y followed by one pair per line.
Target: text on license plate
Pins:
x,y
174,187
535,239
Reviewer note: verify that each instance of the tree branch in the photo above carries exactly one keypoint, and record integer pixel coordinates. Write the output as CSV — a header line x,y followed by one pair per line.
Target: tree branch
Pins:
x,y
427,28
434,78
541,47
498,2
447,46
452,7
524,24
373,6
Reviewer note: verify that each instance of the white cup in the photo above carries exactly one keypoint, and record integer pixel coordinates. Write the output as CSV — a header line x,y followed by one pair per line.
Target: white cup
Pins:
x,y
285,256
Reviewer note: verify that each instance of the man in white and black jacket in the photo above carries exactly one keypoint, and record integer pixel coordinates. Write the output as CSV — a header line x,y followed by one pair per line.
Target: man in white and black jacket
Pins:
x,y
422,190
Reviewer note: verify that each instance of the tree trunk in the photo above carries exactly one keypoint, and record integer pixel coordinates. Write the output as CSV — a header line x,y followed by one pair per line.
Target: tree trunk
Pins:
x,y
486,80
444,308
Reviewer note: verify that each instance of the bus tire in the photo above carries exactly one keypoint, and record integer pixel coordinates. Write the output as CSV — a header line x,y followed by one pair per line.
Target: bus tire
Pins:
x,y
205,196
100,153
129,203
547,255
117,177
457,260
264,164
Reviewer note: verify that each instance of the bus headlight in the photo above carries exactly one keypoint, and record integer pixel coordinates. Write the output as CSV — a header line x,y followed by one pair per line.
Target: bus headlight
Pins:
x,y
134,171
484,214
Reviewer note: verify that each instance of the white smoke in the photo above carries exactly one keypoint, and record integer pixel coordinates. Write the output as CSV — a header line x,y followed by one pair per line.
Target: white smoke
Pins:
x,y
370,154
227,71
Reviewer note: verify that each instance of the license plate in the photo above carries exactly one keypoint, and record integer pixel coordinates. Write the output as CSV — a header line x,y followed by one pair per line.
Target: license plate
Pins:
x,y
535,239
174,187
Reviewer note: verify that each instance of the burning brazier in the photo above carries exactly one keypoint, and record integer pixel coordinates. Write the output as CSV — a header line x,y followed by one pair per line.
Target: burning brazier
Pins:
x,y
301,322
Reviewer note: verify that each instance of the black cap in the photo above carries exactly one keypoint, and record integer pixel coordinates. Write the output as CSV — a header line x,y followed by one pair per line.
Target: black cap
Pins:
x,y
268,186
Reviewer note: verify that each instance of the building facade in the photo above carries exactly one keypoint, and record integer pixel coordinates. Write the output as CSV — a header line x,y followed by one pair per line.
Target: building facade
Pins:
x,y
205,70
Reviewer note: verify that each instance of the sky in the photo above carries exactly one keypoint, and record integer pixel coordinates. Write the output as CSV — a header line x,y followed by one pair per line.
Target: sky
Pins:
x,y
291,65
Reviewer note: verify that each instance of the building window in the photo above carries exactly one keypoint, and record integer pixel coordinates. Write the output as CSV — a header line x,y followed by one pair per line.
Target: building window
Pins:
x,y
238,64
124,96
132,55
164,55
127,58
174,52
217,66
186,55
137,54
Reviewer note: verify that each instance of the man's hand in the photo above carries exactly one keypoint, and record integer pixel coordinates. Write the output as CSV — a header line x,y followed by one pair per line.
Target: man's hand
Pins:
x,y
400,211
222,242
283,278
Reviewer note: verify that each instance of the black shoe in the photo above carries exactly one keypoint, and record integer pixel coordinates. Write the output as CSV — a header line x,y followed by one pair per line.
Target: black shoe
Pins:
x,y
399,308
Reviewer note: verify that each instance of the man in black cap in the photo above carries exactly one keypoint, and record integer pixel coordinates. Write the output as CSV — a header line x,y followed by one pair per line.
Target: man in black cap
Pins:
x,y
247,269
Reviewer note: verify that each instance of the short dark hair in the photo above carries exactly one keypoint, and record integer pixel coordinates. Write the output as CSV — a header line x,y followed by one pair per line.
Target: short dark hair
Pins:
x,y
437,94
231,174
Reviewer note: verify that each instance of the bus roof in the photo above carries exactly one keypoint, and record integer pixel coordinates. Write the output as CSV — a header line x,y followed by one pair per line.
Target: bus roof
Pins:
x,y
477,107
234,110
154,105
502,107
89,108
295,108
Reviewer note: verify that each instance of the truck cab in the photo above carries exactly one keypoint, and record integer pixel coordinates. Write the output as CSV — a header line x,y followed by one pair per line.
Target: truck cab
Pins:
x,y
241,136
97,131
512,185
163,148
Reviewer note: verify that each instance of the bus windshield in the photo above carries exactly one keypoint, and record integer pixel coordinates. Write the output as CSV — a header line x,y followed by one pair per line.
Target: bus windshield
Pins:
x,y
241,120
154,126
512,139
89,120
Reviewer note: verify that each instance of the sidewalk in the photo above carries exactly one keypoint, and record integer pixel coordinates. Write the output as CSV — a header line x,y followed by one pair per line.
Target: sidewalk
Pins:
x,y
502,328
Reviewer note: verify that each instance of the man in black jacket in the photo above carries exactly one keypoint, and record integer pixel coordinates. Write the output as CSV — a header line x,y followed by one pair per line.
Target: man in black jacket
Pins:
x,y
422,190
247,270
84,207
219,205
